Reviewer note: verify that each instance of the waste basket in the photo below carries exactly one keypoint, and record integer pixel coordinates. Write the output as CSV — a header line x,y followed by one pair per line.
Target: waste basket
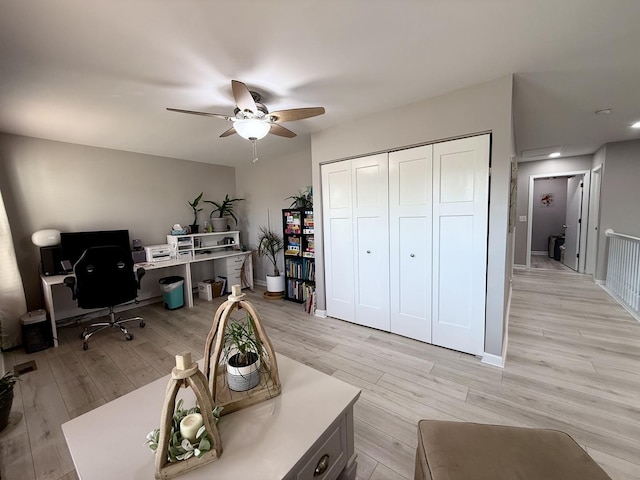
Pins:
x,y
172,288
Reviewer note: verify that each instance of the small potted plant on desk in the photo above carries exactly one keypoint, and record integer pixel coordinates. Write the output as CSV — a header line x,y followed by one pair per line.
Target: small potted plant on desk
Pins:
x,y
224,210
242,352
270,244
194,206
7,382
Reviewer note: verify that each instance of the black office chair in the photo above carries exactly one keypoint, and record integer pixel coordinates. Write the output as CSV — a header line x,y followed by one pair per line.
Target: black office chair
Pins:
x,y
104,277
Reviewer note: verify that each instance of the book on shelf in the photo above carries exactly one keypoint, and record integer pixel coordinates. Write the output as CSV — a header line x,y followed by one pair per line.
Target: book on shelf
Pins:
x,y
293,246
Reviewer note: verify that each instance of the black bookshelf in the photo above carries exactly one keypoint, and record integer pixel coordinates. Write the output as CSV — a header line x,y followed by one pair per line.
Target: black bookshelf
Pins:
x,y
299,256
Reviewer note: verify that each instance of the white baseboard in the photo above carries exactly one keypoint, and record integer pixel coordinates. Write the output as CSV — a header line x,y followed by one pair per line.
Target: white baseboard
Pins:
x,y
540,252
519,267
321,313
262,283
491,359
622,304
599,282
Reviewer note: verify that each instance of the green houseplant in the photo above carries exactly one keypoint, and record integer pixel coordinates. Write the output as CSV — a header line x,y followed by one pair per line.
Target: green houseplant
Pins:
x,y
7,382
222,209
270,243
302,199
194,206
243,350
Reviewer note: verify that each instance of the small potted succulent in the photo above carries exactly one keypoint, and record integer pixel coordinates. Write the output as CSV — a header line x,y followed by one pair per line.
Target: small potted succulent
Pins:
x,y
223,210
194,206
303,199
242,352
7,382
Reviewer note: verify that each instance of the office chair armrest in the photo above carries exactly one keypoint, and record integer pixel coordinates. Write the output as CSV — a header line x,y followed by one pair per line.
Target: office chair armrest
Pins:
x,y
140,273
71,283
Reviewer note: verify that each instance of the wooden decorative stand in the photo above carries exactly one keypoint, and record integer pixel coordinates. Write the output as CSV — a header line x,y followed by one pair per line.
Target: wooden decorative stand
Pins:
x,y
186,374
269,385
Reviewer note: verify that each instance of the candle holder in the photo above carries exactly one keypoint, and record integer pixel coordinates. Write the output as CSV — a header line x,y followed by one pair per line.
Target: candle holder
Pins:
x,y
186,374
225,393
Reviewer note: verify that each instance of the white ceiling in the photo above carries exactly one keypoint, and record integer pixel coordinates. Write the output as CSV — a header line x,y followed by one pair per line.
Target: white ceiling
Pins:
x,y
102,72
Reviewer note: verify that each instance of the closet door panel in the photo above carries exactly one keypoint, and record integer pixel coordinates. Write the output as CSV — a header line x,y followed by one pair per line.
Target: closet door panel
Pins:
x,y
410,232
371,252
460,209
338,239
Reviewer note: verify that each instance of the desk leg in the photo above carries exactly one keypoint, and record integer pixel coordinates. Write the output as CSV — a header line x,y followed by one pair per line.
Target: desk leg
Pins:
x,y
48,305
188,286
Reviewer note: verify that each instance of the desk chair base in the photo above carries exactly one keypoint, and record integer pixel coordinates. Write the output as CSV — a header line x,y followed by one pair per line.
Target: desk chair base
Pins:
x,y
114,323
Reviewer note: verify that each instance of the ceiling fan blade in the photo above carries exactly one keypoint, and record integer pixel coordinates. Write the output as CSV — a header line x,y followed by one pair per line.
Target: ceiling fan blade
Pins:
x,y
231,131
243,97
296,114
204,114
281,131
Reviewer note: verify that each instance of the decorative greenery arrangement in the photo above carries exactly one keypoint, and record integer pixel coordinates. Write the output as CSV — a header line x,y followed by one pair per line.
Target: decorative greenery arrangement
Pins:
x,y
303,199
242,343
181,448
194,207
224,209
7,381
270,244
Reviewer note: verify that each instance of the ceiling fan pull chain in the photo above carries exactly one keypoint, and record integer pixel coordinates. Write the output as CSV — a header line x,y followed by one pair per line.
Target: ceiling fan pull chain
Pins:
x,y
255,150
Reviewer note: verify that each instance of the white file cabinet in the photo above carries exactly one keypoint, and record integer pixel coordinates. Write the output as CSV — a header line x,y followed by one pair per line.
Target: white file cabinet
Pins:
x,y
231,267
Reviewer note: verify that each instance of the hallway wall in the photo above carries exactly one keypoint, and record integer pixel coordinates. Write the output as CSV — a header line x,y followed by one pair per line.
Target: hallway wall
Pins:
x,y
548,218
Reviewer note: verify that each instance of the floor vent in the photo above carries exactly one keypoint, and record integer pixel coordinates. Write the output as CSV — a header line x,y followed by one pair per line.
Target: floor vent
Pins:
x,y
26,367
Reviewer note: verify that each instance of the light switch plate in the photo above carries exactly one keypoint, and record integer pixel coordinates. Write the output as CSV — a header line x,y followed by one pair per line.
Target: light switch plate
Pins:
x,y
523,218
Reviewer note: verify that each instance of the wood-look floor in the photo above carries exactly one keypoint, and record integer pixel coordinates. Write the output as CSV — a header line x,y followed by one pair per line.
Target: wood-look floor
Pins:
x,y
573,364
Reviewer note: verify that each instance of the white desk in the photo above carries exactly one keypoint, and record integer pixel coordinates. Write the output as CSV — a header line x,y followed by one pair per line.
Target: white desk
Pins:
x,y
48,282
280,438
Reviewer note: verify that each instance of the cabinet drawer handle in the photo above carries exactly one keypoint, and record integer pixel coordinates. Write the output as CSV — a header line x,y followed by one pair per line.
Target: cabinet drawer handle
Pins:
x,y
322,466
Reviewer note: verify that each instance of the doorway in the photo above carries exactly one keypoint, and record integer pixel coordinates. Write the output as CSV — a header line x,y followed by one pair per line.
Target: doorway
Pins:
x,y
557,234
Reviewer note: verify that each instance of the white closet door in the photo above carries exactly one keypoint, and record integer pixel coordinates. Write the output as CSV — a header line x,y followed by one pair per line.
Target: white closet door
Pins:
x,y
410,232
460,212
338,239
369,182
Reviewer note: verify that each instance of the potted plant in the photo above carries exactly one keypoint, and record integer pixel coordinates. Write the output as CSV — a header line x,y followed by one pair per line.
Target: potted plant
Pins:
x,y
270,244
242,353
6,397
194,206
303,199
223,209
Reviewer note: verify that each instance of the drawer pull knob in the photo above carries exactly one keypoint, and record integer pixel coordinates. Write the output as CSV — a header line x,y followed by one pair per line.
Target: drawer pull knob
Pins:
x,y
322,466
368,251
412,255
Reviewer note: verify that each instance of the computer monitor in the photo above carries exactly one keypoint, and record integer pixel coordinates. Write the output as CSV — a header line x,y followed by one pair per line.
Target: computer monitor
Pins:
x,y
73,244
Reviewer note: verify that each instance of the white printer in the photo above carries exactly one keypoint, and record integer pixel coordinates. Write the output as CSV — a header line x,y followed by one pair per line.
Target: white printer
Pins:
x,y
158,253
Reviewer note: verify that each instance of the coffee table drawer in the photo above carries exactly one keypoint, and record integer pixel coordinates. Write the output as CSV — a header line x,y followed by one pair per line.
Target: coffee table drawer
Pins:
x,y
327,458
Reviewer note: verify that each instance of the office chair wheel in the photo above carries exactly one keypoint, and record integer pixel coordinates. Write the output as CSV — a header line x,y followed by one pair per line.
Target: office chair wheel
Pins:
x,y
85,345
142,324
128,336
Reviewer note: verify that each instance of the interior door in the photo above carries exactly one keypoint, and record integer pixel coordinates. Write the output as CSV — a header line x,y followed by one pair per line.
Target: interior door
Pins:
x,y
460,216
338,239
410,232
369,180
572,222
594,221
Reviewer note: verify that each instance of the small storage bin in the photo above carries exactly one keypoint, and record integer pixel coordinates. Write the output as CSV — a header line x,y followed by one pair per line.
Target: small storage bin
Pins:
x,y
36,331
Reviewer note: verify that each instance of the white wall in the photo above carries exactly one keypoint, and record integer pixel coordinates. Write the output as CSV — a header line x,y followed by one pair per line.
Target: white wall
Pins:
x,y
482,108
540,167
72,187
619,196
264,186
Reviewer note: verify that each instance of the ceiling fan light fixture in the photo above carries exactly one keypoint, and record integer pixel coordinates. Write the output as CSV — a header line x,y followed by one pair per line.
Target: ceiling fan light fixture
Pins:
x,y
636,125
251,128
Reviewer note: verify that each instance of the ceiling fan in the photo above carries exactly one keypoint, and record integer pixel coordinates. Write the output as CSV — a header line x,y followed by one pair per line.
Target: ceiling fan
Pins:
x,y
252,120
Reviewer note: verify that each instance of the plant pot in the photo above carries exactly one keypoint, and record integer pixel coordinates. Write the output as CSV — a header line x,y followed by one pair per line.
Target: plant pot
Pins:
x,y
219,224
241,378
6,400
194,228
275,284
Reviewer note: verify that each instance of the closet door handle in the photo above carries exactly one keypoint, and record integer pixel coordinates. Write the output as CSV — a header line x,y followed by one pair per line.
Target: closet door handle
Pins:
x,y
368,251
412,255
